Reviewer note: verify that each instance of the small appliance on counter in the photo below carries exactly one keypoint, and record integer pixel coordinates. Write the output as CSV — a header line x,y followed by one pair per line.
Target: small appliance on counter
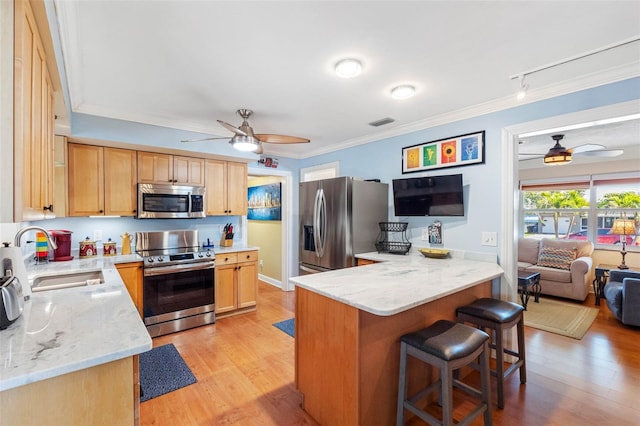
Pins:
x,y
12,299
62,238
88,248
109,248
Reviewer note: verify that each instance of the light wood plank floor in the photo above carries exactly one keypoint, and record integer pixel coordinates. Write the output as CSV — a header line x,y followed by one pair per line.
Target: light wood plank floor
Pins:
x,y
245,372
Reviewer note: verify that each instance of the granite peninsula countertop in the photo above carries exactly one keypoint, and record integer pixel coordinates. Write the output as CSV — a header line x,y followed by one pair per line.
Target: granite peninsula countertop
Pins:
x,y
399,282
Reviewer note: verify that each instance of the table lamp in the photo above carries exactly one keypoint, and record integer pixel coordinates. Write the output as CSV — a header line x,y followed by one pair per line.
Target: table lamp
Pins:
x,y
623,227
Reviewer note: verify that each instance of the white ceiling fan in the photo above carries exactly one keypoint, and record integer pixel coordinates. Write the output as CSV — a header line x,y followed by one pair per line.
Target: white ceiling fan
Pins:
x,y
558,154
244,139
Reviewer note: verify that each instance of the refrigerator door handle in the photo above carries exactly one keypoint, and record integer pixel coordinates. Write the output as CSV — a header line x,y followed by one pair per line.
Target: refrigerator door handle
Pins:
x,y
316,223
323,221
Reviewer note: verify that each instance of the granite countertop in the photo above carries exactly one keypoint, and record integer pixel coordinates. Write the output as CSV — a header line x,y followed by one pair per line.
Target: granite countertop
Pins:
x,y
399,283
66,330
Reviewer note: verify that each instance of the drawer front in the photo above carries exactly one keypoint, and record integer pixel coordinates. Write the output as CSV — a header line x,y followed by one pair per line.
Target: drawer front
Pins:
x,y
248,256
226,259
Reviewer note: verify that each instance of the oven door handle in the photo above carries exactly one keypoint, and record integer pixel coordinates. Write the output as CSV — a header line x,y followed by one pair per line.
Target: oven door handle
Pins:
x,y
176,269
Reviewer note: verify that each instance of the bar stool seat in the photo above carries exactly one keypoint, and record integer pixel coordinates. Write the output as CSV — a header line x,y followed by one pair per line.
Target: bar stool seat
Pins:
x,y
447,346
498,316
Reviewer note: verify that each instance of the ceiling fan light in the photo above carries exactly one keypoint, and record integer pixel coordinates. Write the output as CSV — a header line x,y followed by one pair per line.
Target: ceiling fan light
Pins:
x,y
404,91
244,143
348,68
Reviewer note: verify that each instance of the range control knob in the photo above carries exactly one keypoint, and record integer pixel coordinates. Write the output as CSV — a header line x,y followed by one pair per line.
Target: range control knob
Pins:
x,y
160,258
208,254
200,255
150,260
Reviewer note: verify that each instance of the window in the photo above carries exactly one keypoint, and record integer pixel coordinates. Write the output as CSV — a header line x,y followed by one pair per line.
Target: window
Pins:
x,y
582,209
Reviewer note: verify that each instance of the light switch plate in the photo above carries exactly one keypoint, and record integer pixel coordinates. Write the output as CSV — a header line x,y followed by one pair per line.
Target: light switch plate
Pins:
x,y
97,235
425,234
490,239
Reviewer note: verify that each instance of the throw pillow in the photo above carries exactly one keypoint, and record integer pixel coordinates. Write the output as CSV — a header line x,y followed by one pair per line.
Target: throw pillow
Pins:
x,y
556,257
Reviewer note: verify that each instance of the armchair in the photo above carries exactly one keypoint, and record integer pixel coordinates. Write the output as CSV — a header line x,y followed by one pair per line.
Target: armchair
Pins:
x,y
622,294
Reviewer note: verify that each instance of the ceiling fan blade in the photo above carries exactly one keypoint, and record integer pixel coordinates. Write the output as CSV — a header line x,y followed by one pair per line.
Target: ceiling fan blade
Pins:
x,y
204,139
280,138
586,148
602,153
232,128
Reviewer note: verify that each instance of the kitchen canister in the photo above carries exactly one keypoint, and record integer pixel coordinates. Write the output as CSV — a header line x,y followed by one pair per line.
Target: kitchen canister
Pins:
x,y
88,248
109,248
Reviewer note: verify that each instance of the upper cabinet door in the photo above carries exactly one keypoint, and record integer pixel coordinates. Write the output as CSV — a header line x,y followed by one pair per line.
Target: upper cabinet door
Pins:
x,y
120,177
188,171
155,168
216,183
33,119
86,182
236,188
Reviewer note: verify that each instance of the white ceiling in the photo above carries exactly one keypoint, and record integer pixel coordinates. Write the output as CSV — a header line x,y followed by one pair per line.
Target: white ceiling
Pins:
x,y
184,64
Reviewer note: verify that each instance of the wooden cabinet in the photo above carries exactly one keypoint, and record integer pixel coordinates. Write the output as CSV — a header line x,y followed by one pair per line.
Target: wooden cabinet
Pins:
x,y
236,282
131,274
33,120
102,181
170,169
226,183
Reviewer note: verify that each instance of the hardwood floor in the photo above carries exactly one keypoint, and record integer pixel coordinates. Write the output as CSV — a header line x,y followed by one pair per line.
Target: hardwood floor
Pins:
x,y
245,372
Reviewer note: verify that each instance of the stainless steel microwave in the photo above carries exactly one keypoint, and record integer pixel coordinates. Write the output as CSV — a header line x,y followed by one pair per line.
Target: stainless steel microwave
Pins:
x,y
160,201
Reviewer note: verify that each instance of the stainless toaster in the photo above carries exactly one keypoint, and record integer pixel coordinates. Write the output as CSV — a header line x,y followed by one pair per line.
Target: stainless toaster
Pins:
x,y
12,300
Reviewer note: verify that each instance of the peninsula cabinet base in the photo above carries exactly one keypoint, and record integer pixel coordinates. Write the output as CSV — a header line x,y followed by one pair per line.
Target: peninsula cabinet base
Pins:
x,y
347,360
100,395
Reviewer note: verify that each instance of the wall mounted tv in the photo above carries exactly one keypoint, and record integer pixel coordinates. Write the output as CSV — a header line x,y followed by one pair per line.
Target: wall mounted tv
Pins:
x,y
428,196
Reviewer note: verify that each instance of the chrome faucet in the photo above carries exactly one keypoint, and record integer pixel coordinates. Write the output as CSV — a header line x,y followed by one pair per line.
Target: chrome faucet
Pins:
x,y
16,241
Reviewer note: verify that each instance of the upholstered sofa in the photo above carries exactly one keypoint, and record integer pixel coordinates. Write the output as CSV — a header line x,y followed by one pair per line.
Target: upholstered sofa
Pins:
x,y
622,294
563,265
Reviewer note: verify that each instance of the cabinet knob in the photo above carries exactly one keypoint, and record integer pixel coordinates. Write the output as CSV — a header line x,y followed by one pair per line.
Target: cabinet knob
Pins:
x,y
134,211
100,211
49,207
248,256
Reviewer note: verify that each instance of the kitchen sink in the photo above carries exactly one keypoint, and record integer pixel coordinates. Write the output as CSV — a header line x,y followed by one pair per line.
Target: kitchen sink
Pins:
x,y
72,279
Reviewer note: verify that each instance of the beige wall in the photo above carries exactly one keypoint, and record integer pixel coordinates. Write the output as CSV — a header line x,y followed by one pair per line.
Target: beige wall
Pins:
x,y
267,234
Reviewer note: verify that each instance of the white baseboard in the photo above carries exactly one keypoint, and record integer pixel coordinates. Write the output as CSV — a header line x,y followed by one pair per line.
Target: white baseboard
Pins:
x,y
269,280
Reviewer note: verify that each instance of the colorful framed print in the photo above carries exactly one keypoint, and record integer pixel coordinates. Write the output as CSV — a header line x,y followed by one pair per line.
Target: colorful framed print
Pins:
x,y
264,202
463,150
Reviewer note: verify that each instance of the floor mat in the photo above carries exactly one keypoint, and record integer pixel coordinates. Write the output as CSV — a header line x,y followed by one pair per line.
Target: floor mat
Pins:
x,y
162,370
288,326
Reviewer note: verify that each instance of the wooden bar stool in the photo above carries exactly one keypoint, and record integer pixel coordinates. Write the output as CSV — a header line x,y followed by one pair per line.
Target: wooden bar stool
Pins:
x,y
498,315
447,346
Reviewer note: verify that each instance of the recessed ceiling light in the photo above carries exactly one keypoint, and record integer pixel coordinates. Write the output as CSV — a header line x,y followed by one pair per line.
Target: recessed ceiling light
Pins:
x,y
404,91
348,68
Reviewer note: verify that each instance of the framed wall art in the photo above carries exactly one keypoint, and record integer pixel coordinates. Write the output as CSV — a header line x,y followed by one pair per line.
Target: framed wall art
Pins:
x,y
264,202
463,150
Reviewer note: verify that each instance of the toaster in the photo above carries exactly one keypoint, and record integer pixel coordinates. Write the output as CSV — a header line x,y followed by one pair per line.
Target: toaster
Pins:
x,y
12,300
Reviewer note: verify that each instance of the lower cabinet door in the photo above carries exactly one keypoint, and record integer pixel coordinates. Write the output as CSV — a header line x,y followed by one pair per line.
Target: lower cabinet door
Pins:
x,y
225,288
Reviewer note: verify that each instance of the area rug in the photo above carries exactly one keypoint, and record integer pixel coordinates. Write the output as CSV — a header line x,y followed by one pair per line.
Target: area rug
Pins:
x,y
162,370
288,326
567,319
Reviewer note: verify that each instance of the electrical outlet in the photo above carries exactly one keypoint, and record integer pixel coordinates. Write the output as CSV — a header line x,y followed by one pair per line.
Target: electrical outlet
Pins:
x,y
490,239
97,235
425,234
260,264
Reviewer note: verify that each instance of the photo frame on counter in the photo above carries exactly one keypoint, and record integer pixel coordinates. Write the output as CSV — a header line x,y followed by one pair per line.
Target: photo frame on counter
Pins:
x,y
462,150
265,202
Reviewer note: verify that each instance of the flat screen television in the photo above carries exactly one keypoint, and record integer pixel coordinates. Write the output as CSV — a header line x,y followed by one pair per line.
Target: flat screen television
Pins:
x,y
428,196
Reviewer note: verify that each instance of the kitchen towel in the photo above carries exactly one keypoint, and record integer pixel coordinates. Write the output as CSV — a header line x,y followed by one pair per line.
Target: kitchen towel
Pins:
x,y
288,326
162,370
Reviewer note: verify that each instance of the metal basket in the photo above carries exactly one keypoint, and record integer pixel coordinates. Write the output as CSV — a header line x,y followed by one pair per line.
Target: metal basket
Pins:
x,y
393,226
393,247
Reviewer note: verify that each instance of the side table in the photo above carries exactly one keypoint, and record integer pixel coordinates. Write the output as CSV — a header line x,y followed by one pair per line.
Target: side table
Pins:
x,y
601,273
529,283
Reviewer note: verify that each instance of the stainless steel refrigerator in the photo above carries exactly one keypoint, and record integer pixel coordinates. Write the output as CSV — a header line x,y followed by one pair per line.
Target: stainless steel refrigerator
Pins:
x,y
338,219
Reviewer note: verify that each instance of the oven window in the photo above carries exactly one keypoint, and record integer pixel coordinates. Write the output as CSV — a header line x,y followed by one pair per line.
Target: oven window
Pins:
x,y
159,203
178,291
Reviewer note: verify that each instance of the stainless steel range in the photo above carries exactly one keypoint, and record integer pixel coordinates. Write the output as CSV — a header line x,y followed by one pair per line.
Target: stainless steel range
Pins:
x,y
178,281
